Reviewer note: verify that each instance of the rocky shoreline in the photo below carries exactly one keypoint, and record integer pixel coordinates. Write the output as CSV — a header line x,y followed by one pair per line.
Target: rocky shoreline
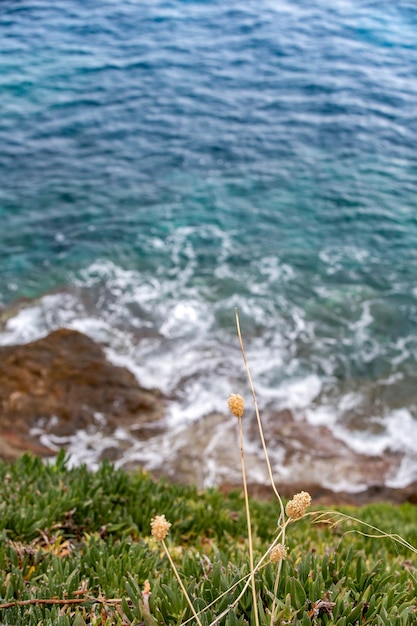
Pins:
x,y
64,383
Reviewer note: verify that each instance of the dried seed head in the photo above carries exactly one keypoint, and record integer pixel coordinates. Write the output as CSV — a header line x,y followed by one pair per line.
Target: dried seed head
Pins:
x,y
278,553
297,506
160,527
236,404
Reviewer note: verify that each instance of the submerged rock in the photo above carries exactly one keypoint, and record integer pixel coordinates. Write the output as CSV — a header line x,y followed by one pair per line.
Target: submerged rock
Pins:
x,y
65,381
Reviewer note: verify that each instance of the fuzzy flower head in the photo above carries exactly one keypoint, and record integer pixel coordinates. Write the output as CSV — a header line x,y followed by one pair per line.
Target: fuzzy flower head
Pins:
x,y
236,404
278,553
296,507
160,527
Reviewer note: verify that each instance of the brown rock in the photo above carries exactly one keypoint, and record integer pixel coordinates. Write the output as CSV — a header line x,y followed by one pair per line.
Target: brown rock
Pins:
x,y
65,379
313,454
326,497
63,383
13,444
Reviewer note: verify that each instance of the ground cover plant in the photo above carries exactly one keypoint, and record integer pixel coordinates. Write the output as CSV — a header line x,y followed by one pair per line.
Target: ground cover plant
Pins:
x,y
110,547
76,547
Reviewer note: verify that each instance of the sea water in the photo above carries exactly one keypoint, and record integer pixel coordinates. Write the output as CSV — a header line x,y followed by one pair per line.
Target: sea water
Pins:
x,y
164,162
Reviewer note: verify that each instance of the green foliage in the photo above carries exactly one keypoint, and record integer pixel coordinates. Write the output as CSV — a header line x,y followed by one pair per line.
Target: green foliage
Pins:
x,y
70,535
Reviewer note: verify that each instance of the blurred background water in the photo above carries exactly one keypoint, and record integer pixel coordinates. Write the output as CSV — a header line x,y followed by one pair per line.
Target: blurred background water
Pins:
x,y
162,162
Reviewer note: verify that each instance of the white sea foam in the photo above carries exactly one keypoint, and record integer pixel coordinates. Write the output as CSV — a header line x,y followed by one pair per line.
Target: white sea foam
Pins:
x,y
35,321
299,394
405,474
398,433
168,335
321,415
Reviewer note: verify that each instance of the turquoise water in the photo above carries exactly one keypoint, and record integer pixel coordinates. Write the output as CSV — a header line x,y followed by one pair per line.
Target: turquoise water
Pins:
x,y
163,162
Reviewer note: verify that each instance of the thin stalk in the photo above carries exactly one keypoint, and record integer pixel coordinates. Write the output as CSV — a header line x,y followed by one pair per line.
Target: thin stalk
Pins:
x,y
248,521
240,596
258,417
344,516
276,583
274,601
248,581
261,434
187,597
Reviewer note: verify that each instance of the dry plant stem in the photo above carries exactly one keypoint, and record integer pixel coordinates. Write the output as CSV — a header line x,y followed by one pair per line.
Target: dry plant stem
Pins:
x,y
245,489
257,568
321,517
247,577
258,417
236,600
261,434
248,581
63,602
277,577
381,534
274,601
187,597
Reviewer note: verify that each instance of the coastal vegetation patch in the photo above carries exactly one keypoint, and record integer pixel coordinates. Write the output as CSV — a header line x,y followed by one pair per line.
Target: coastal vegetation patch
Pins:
x,y
77,548
110,547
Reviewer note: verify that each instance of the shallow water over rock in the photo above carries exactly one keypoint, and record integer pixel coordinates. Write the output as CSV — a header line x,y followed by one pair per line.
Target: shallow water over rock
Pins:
x,y
60,391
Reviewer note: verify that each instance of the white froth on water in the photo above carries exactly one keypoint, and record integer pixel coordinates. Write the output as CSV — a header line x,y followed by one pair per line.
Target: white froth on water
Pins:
x,y
399,434
198,400
38,320
321,415
406,473
299,394
349,401
169,337
340,485
182,315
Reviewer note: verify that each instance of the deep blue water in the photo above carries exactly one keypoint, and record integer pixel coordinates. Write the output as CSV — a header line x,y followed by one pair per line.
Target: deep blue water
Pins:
x,y
164,161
